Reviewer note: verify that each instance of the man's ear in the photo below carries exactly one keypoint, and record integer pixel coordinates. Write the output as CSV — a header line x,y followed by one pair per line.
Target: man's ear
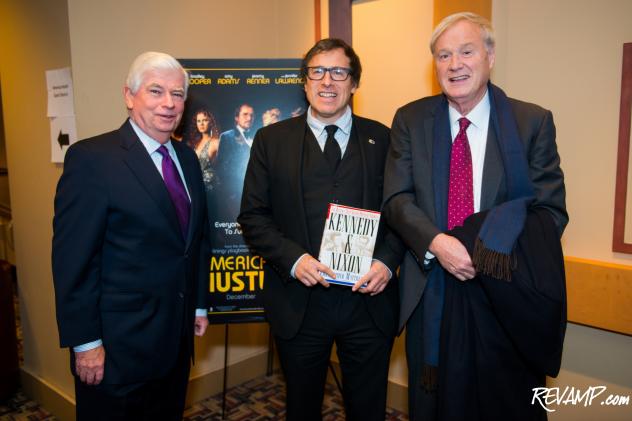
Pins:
x,y
491,57
129,97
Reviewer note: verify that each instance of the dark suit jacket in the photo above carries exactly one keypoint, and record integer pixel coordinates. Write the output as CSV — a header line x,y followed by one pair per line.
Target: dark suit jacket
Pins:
x,y
122,270
274,222
408,192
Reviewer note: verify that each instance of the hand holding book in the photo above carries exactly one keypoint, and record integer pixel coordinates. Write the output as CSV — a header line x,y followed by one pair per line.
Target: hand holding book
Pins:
x,y
347,247
375,279
308,271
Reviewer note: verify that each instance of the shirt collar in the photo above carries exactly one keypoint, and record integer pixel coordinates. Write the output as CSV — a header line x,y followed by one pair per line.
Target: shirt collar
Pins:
x,y
149,142
241,130
479,116
343,123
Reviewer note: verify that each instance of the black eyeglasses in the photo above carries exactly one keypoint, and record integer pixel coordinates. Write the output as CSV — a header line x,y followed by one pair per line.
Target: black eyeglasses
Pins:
x,y
338,74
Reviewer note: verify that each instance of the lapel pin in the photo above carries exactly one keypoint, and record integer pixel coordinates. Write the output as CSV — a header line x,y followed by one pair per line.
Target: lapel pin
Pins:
x,y
371,141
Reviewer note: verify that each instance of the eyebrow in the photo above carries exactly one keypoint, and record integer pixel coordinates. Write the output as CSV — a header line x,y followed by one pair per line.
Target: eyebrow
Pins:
x,y
158,85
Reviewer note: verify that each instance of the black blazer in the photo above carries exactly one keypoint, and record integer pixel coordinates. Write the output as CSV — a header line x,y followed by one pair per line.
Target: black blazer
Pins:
x,y
409,195
122,270
274,223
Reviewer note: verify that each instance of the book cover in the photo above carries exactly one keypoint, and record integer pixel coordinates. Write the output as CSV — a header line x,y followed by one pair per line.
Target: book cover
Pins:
x,y
348,242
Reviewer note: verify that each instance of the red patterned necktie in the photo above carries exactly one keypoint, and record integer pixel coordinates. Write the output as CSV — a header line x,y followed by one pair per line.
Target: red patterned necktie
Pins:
x,y
461,191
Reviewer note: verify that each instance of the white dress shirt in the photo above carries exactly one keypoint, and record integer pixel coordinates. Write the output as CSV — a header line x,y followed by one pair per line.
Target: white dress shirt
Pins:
x,y
342,135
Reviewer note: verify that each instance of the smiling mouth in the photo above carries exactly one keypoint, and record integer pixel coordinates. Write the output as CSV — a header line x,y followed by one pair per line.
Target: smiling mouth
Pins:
x,y
459,78
327,94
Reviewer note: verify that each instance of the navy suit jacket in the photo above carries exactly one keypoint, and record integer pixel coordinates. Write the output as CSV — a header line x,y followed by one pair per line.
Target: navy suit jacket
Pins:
x,y
122,270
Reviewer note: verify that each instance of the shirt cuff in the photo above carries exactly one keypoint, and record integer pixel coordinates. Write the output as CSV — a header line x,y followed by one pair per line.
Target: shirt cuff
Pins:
x,y
201,312
293,271
88,346
428,260
390,273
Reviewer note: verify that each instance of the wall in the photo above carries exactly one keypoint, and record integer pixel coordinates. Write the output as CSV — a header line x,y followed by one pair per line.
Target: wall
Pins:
x,y
391,38
187,29
566,56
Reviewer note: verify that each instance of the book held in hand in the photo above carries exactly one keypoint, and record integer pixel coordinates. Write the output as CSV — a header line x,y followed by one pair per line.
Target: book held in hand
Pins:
x,y
348,242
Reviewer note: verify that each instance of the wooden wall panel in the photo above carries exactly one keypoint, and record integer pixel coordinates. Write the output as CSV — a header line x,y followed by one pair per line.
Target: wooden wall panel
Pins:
x,y
599,294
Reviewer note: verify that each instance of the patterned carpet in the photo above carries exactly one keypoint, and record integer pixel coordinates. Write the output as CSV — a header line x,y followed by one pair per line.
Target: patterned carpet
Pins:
x,y
20,408
262,398
259,399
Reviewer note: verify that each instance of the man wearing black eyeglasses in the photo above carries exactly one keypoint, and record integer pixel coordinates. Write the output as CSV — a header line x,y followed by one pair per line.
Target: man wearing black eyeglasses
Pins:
x,y
297,167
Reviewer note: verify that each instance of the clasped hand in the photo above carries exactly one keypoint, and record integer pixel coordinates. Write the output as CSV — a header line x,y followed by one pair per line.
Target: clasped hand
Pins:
x,y
308,271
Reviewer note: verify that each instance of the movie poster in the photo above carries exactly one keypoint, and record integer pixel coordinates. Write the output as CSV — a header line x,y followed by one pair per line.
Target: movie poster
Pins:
x,y
228,101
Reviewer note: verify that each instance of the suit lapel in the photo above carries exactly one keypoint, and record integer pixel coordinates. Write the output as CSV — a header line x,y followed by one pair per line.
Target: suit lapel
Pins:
x,y
492,170
441,137
295,149
141,164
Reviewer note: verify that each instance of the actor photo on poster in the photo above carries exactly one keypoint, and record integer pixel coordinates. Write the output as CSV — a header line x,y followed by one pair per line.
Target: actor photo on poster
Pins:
x,y
229,100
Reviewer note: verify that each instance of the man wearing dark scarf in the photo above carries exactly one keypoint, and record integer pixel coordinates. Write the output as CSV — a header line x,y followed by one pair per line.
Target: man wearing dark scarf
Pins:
x,y
483,298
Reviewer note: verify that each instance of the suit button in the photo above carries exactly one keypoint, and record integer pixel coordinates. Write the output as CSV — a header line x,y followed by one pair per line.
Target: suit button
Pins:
x,y
186,256
336,184
181,294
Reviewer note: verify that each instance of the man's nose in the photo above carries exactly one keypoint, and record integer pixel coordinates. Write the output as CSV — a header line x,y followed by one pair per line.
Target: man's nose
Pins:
x,y
455,61
327,78
168,102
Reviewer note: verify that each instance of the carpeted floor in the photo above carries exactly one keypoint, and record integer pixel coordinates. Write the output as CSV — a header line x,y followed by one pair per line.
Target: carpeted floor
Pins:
x,y
259,399
20,408
262,398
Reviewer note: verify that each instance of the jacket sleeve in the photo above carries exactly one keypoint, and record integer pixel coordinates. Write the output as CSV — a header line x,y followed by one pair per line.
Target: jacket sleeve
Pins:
x,y
545,172
79,223
400,209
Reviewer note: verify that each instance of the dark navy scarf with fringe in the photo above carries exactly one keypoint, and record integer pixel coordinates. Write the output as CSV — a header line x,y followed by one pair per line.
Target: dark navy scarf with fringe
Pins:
x,y
503,224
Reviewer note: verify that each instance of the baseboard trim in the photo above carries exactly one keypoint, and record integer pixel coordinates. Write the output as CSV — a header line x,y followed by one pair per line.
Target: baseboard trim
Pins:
x,y
54,400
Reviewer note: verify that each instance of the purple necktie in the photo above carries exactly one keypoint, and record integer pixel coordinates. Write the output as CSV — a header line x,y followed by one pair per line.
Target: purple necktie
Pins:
x,y
176,189
460,193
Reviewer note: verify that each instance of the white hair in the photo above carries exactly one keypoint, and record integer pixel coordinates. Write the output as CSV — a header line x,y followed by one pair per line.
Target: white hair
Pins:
x,y
486,28
152,60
